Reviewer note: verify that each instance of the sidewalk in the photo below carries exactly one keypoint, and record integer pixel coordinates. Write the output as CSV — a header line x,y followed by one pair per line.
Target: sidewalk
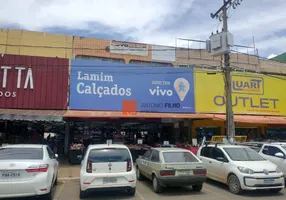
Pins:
x,y
68,171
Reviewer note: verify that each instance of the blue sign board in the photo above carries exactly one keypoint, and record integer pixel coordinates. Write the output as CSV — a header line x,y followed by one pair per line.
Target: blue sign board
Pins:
x,y
106,86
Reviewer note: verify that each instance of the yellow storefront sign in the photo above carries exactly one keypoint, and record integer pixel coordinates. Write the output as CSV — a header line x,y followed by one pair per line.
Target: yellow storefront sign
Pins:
x,y
251,93
220,139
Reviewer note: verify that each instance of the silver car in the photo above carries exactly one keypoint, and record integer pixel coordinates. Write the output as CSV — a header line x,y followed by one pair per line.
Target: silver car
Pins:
x,y
171,167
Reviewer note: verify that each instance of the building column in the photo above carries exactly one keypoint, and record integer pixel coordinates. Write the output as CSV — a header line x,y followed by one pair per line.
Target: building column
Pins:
x,y
188,124
67,137
177,132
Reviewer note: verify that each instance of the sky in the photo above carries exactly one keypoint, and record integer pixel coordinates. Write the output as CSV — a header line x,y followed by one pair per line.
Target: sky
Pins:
x,y
259,23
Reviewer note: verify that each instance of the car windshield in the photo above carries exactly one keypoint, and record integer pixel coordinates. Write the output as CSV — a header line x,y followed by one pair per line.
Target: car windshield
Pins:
x,y
179,157
243,154
108,155
21,153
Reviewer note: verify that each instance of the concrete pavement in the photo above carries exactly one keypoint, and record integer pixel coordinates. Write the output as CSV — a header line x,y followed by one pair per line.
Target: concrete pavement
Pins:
x,y
68,188
67,171
211,191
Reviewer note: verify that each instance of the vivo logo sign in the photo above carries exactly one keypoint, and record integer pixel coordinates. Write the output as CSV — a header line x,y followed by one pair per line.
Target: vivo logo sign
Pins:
x,y
160,92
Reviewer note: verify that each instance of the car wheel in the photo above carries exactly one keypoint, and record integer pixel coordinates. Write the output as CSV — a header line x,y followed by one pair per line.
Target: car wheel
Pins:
x,y
139,175
234,184
197,188
156,185
132,191
276,190
82,194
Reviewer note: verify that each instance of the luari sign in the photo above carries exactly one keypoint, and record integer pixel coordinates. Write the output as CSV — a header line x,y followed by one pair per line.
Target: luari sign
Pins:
x,y
155,89
27,83
251,93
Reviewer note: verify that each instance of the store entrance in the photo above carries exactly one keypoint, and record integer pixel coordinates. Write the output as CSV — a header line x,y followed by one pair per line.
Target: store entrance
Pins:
x,y
252,134
150,132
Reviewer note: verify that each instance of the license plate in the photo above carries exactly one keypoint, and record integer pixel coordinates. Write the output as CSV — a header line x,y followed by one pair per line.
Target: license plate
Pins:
x,y
7,175
183,173
269,181
109,180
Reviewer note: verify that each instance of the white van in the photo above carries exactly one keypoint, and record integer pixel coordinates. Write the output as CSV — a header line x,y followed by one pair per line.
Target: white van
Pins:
x,y
107,168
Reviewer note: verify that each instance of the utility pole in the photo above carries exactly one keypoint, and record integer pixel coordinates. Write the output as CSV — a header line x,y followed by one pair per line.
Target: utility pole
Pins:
x,y
228,90
222,15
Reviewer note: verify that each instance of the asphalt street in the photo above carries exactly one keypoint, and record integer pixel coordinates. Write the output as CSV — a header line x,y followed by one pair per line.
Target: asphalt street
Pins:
x,y
211,191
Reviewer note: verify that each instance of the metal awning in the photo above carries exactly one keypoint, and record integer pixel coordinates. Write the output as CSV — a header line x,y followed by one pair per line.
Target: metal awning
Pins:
x,y
32,115
254,119
118,114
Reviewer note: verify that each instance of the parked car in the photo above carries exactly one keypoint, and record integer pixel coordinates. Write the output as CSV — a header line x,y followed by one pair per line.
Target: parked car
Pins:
x,y
27,170
107,167
171,167
241,168
276,153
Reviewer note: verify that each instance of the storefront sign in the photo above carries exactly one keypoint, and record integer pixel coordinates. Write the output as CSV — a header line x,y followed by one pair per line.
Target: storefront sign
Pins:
x,y
33,82
155,89
251,93
137,49
27,84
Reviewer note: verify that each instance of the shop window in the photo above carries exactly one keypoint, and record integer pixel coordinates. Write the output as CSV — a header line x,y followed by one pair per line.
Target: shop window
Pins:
x,y
206,152
155,64
102,59
155,157
147,155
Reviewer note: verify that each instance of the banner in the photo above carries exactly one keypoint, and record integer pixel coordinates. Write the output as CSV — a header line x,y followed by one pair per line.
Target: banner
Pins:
x,y
118,47
98,86
251,93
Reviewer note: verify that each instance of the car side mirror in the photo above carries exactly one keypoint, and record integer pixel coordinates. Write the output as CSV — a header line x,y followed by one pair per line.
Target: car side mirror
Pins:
x,y
279,155
56,156
140,157
79,157
221,159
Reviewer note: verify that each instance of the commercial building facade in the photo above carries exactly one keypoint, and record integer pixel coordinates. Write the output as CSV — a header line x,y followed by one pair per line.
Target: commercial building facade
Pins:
x,y
76,64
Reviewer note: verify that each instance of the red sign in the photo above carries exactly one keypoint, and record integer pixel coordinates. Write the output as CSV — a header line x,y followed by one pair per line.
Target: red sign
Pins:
x,y
129,107
33,82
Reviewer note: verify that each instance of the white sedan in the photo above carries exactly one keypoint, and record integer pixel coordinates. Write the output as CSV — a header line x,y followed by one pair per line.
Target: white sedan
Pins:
x,y
27,170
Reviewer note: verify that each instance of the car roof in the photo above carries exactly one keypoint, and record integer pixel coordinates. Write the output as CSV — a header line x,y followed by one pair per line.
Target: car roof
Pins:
x,y
278,143
226,145
36,146
99,146
170,149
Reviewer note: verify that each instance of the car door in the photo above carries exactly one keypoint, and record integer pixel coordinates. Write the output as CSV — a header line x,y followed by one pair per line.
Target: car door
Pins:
x,y
154,163
145,162
218,168
53,162
269,153
205,157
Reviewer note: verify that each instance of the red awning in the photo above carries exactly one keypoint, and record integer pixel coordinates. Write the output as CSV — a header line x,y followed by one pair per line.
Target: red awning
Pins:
x,y
118,114
254,119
